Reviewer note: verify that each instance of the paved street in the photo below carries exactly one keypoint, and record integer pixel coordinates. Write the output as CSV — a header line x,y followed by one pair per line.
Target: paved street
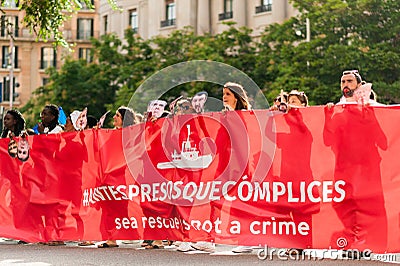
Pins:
x,y
15,254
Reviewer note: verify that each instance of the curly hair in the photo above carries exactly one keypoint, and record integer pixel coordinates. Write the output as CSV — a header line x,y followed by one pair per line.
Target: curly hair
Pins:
x,y
19,126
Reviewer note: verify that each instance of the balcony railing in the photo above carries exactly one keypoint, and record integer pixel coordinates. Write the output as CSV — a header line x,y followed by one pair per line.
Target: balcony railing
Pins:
x,y
226,15
263,8
168,22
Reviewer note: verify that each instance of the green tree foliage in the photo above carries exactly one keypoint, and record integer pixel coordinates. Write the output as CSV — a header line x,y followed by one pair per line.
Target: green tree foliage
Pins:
x,y
46,18
357,34
75,86
144,58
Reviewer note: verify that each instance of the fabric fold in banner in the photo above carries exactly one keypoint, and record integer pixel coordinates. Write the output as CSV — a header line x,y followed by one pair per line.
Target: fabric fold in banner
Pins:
x,y
312,178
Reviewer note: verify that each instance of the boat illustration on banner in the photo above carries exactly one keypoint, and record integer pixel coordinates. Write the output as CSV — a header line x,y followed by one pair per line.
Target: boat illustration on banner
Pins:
x,y
189,157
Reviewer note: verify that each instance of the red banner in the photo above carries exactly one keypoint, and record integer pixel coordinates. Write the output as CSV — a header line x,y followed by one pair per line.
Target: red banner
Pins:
x,y
314,177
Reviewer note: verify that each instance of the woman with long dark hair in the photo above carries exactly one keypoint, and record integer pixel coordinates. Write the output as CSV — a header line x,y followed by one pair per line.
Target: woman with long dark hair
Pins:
x,y
234,97
13,125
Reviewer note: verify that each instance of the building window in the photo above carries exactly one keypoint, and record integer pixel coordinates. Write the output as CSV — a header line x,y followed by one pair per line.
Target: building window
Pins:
x,y
228,10
9,23
48,57
10,3
5,60
85,6
85,54
45,81
266,6
170,15
105,24
133,20
5,89
170,10
85,28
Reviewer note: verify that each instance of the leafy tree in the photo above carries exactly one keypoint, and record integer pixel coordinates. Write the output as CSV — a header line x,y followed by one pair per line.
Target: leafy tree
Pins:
x,y
357,34
32,109
75,86
46,18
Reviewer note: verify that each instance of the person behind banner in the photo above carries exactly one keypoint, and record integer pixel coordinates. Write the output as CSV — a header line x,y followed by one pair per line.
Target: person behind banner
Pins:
x,y
349,82
49,117
297,99
234,97
355,136
124,117
13,124
50,125
298,154
45,208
